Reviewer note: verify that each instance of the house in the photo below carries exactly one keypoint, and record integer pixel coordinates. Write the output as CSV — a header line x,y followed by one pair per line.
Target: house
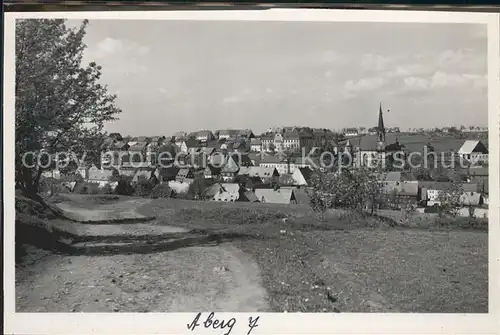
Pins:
x,y
190,145
473,151
227,192
52,173
241,145
276,196
207,150
391,181
242,159
101,175
157,140
166,174
137,152
479,175
127,170
266,174
303,162
267,141
230,169
276,162
248,182
255,158
184,174
83,170
248,196
471,199
302,176
202,135
433,190
146,174
178,187
351,132
234,133
212,172
256,145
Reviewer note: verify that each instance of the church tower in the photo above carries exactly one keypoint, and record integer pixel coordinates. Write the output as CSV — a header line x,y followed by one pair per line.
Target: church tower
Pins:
x,y
380,130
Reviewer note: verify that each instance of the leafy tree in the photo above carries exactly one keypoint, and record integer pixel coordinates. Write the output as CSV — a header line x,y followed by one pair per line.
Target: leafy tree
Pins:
x,y
271,147
60,105
450,199
355,190
286,179
197,188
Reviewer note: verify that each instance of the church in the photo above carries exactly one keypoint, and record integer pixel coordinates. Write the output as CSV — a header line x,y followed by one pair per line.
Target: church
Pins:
x,y
372,151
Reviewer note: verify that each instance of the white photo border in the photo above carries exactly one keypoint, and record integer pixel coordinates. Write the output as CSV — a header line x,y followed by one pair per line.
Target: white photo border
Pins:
x,y
269,323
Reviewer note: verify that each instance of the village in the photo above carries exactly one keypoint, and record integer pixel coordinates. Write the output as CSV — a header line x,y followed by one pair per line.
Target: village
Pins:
x,y
236,165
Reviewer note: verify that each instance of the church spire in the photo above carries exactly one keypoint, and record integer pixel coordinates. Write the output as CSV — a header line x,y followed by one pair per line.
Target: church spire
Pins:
x,y
380,127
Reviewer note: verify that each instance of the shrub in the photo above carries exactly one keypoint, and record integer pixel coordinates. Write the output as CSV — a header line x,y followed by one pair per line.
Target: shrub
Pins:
x,y
161,191
143,187
106,189
124,188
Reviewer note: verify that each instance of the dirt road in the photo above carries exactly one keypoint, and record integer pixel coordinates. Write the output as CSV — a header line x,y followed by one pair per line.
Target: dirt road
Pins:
x,y
215,278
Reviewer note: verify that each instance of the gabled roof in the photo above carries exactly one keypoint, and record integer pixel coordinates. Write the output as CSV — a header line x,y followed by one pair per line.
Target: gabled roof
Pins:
x,y
280,196
227,192
242,160
409,189
258,171
145,173
478,171
212,170
119,145
306,172
139,146
167,173
469,146
391,176
255,141
436,185
208,150
269,159
184,172
192,142
97,174
249,196
141,139
292,135
201,133
179,135
230,166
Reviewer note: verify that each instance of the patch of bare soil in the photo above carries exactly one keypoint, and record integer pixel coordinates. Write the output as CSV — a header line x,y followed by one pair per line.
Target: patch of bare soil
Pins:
x,y
123,210
125,268
217,278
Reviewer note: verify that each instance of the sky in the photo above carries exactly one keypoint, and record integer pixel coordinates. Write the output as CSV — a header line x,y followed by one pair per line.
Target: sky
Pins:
x,y
174,76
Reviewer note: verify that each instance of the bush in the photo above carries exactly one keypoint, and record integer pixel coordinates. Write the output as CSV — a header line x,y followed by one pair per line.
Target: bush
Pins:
x,y
124,188
143,187
106,189
161,191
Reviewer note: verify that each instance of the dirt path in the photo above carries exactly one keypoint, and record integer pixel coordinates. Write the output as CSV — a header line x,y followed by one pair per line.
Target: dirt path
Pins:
x,y
219,278
199,278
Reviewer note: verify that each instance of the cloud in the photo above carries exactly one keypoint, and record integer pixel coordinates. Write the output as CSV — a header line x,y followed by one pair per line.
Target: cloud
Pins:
x,y
409,70
462,60
112,46
444,80
231,100
331,56
365,84
416,83
375,62
119,56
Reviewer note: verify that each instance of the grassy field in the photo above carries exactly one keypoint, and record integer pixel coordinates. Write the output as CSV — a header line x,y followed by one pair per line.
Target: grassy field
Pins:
x,y
342,263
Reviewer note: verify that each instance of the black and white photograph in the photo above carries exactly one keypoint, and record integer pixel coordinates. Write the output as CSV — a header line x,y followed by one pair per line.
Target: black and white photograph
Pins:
x,y
274,166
